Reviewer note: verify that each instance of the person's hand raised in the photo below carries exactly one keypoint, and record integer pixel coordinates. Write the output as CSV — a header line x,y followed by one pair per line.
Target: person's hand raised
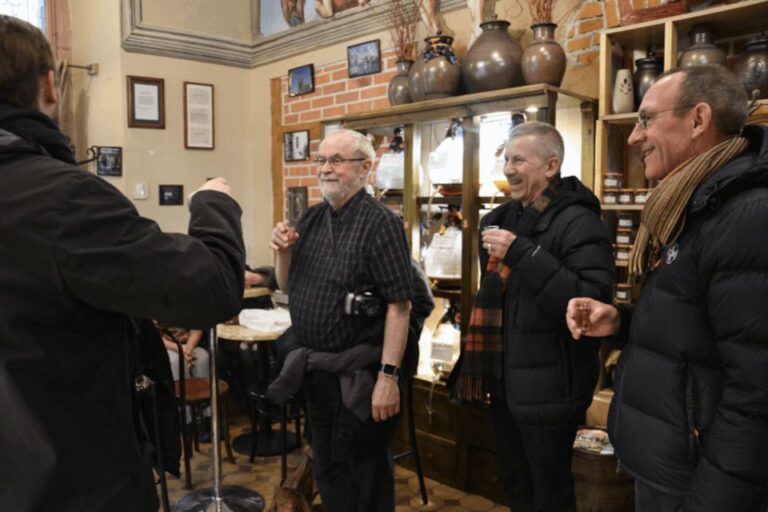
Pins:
x,y
590,317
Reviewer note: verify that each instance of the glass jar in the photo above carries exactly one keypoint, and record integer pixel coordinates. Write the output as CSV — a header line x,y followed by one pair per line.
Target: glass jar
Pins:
x,y
622,252
641,195
610,196
626,220
613,180
623,293
625,236
626,196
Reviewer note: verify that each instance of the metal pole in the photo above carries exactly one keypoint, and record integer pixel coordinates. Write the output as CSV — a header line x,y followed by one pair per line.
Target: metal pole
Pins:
x,y
215,439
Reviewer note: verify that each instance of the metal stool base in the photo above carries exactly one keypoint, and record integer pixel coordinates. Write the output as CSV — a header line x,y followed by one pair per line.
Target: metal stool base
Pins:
x,y
234,498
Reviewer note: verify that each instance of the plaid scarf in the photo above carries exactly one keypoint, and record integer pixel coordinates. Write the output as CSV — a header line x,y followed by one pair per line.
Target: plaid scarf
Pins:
x,y
663,217
480,369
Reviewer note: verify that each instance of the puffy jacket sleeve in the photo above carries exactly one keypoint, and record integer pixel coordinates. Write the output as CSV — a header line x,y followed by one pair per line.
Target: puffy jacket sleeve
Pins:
x,y
583,266
732,473
112,258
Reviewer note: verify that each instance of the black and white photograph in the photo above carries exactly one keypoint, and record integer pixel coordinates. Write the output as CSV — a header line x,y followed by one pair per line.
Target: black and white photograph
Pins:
x,y
301,80
198,116
364,58
296,146
171,195
146,102
110,161
297,203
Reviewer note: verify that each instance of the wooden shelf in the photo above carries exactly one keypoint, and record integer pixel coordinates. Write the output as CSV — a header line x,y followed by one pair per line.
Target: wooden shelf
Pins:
x,y
621,263
627,119
619,207
446,293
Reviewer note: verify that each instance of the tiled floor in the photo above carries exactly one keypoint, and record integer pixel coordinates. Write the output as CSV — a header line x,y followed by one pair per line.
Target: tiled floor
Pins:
x,y
264,474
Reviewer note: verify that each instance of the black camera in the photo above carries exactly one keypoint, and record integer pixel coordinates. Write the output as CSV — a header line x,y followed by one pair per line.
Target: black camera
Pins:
x,y
364,304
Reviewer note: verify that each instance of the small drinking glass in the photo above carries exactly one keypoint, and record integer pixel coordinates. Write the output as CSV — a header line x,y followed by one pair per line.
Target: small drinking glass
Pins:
x,y
583,311
490,227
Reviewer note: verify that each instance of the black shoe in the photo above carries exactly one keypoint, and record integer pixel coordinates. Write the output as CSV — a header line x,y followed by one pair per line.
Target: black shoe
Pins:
x,y
204,430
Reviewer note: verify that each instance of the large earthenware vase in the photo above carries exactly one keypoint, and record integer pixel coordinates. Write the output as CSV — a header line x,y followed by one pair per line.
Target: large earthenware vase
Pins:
x,y
752,67
399,88
647,70
436,72
493,60
544,59
702,51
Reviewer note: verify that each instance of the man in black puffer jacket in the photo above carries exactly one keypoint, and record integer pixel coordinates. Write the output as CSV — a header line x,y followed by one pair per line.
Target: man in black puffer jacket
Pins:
x,y
76,262
689,418
555,247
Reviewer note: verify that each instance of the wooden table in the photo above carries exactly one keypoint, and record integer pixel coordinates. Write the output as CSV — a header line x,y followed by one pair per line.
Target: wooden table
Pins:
x,y
251,292
268,443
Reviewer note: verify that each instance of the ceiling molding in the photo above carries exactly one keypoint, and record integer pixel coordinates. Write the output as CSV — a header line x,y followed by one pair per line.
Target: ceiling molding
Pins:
x,y
142,37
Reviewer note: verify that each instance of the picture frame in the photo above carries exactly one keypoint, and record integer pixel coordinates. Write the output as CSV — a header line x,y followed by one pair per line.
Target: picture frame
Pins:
x,y
198,116
171,195
109,161
301,80
364,58
146,102
297,203
296,146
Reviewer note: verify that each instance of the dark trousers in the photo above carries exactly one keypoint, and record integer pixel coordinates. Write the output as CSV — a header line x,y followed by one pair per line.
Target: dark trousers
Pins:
x,y
534,462
351,459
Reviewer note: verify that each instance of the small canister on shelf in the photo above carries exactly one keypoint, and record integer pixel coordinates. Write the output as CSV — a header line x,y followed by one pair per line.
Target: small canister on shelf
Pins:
x,y
625,236
613,180
641,195
622,252
623,293
610,196
626,220
626,196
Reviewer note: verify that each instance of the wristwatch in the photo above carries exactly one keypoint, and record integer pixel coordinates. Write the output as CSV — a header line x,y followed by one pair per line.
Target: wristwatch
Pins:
x,y
389,369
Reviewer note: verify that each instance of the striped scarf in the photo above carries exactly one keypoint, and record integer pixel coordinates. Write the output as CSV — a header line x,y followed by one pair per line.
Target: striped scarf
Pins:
x,y
480,368
663,217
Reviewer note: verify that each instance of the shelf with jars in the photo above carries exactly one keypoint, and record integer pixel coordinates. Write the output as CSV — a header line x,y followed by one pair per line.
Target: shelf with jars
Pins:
x,y
460,137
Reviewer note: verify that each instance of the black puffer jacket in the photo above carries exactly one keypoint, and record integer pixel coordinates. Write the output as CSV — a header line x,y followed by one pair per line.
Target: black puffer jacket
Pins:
x,y
550,377
690,413
75,260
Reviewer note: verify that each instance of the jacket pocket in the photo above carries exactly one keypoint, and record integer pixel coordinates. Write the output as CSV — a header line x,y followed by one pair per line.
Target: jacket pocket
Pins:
x,y
694,438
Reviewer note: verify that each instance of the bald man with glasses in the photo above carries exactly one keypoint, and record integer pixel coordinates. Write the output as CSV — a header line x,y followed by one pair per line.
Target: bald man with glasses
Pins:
x,y
689,418
347,270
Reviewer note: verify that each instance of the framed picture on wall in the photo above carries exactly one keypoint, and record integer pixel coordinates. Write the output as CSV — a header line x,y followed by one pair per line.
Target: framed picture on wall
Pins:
x,y
146,102
297,203
296,146
171,195
109,161
364,58
301,80
198,116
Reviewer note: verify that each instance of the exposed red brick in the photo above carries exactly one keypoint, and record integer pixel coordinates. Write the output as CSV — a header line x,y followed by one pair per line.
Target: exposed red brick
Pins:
x,y
301,105
333,88
373,92
306,182
340,75
291,182
611,13
322,102
587,58
363,106
322,78
347,97
579,43
334,112
312,115
381,104
334,67
291,118
359,83
638,4
384,78
590,26
589,10
654,3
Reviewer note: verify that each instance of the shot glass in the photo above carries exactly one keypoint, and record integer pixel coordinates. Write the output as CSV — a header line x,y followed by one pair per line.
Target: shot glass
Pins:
x,y
583,311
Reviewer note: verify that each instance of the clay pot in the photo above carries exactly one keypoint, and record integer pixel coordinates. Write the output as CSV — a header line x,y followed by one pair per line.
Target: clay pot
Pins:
x,y
648,69
399,89
702,50
544,59
440,72
623,98
493,60
752,67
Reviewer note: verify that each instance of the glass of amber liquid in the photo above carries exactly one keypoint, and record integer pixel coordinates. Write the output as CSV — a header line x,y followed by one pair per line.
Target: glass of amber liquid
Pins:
x,y
583,311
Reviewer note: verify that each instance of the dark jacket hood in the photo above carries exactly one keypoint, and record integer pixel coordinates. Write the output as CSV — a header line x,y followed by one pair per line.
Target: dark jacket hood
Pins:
x,y
750,169
571,193
36,129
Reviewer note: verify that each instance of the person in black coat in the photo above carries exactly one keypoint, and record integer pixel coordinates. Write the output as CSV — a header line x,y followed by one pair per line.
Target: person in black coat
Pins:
x,y
76,263
689,417
553,246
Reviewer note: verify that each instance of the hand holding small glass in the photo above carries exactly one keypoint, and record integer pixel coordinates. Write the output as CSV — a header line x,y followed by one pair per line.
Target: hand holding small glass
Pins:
x,y
496,241
283,237
590,317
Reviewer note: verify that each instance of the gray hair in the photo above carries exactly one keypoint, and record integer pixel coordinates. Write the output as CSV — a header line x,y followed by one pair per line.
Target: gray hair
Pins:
x,y
362,146
550,140
718,88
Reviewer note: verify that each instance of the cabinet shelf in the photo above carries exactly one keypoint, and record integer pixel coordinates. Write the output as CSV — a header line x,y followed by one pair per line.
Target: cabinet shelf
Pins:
x,y
619,207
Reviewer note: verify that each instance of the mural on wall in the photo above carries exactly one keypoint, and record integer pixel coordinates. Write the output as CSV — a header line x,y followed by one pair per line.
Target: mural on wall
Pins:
x,y
276,17
327,8
293,11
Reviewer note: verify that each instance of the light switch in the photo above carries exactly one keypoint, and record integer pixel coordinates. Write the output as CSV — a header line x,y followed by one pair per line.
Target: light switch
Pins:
x,y
140,191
